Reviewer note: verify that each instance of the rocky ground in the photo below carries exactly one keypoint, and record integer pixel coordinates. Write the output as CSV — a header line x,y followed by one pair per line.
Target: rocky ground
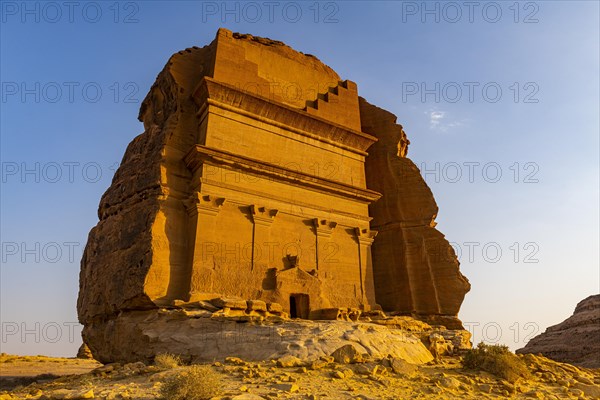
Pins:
x,y
289,378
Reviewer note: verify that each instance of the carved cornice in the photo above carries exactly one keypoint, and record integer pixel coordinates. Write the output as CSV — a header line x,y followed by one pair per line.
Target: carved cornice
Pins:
x,y
202,154
226,96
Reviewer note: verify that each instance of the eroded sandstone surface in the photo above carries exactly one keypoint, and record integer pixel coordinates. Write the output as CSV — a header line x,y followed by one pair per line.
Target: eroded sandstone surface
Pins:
x,y
576,340
262,189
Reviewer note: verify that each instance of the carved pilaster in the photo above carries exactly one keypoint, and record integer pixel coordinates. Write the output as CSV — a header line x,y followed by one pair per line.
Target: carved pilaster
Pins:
x,y
263,218
323,229
203,210
365,238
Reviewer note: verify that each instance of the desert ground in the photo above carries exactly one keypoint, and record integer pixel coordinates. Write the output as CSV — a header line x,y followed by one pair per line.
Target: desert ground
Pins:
x,y
39,377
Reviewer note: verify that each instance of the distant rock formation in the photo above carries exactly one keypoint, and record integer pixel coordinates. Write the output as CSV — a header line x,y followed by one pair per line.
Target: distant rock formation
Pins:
x,y
84,352
576,340
256,193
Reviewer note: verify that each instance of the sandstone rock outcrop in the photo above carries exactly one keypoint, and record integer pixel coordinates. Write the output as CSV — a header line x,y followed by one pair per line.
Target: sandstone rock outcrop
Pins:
x,y
196,338
415,269
254,195
576,340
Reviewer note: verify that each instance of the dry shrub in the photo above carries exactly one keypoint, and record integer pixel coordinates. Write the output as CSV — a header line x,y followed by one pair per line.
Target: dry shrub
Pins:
x,y
197,382
497,360
167,361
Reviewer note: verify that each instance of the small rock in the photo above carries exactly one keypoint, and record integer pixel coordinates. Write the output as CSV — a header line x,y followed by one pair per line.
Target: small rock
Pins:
x,y
65,394
363,369
338,374
449,383
234,304
105,368
534,394
576,392
584,379
235,360
402,367
256,305
247,396
206,305
274,307
89,394
485,388
347,354
287,387
318,364
289,361
592,391
563,382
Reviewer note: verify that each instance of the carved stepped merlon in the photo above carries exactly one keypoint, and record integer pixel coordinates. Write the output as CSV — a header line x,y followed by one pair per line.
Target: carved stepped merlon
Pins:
x,y
339,104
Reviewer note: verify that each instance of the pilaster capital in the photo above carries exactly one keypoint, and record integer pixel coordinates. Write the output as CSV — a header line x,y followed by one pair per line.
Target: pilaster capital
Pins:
x,y
365,236
263,215
324,227
204,204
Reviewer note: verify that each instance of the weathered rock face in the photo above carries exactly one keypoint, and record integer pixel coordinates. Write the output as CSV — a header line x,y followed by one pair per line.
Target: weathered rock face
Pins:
x,y
576,340
248,193
415,269
198,337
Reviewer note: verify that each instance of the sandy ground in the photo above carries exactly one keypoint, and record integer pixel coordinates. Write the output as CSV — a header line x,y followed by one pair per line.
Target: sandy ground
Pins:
x,y
237,379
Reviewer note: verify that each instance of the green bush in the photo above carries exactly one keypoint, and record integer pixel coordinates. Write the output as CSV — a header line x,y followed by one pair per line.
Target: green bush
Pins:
x,y
497,360
197,382
167,361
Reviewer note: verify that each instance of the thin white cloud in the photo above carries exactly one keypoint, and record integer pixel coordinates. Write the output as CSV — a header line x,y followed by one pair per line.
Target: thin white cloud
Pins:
x,y
439,121
435,118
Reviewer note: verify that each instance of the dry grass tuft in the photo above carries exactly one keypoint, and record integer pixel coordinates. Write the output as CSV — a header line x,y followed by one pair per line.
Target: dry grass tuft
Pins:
x,y
497,360
197,382
167,361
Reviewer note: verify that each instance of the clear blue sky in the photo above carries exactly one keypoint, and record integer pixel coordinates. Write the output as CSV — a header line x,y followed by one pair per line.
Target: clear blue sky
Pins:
x,y
533,230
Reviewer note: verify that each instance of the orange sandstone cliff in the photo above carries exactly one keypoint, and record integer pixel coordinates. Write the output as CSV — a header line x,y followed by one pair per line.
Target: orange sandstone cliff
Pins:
x,y
263,188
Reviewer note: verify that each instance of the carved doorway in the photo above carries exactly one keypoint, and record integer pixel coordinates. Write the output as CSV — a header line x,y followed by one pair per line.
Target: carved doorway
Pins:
x,y
299,305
